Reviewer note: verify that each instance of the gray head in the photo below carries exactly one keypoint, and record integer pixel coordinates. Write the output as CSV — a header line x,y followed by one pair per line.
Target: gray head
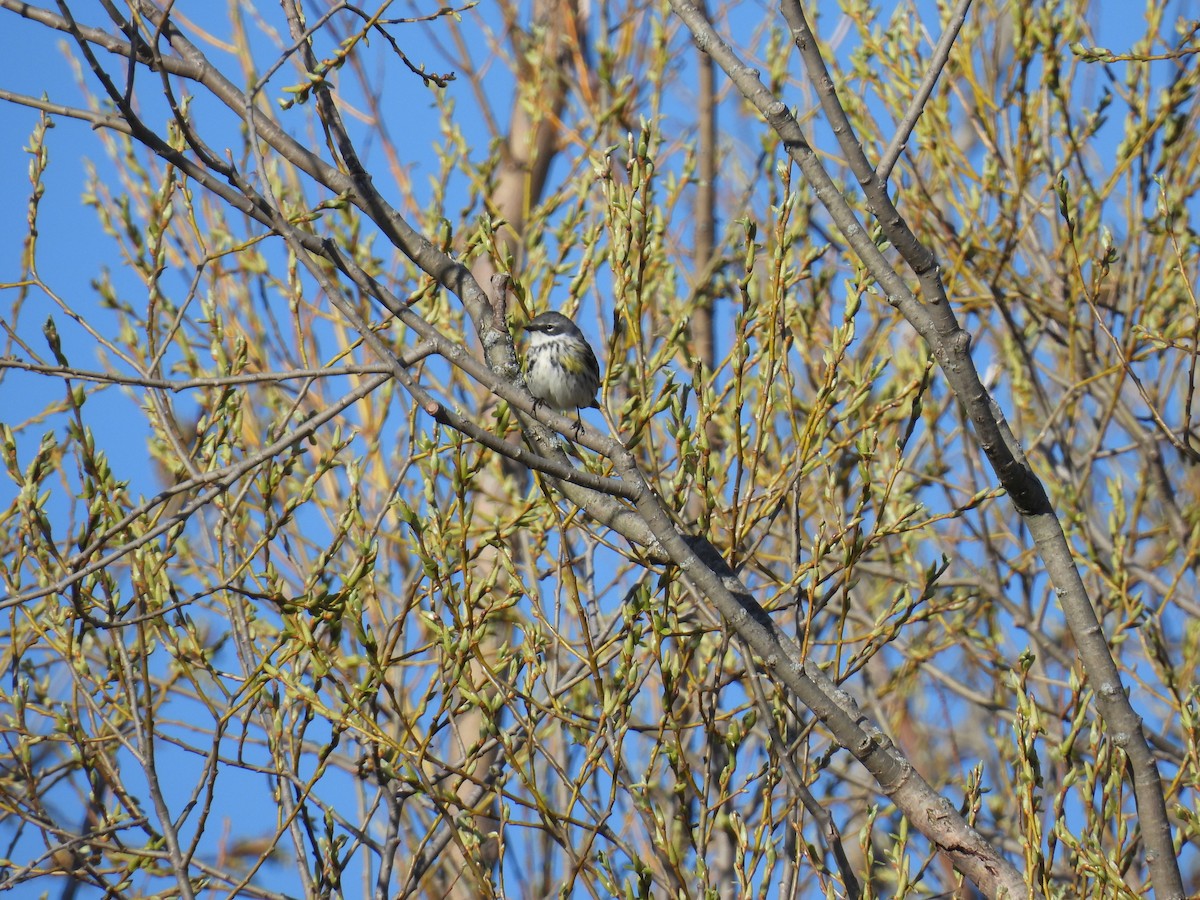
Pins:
x,y
551,325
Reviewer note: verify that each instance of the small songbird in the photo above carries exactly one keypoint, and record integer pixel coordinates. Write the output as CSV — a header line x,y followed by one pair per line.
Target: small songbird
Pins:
x,y
560,366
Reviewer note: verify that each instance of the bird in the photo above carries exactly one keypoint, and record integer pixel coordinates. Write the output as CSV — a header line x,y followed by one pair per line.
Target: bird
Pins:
x,y
560,366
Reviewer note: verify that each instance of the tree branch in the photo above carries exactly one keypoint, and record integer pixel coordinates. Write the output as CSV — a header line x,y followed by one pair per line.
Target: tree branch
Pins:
x,y
935,321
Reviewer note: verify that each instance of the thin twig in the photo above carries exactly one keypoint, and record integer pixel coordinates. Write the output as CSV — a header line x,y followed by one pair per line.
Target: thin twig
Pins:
x,y
937,63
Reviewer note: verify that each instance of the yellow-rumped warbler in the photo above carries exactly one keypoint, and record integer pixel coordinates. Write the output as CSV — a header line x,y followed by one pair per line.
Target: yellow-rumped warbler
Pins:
x,y
560,366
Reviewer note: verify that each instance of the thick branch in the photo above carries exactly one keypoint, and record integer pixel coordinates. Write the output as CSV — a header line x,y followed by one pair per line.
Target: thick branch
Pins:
x,y
935,817
935,321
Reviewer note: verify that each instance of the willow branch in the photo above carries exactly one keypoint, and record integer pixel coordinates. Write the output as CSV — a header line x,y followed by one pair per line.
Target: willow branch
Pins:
x,y
937,324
